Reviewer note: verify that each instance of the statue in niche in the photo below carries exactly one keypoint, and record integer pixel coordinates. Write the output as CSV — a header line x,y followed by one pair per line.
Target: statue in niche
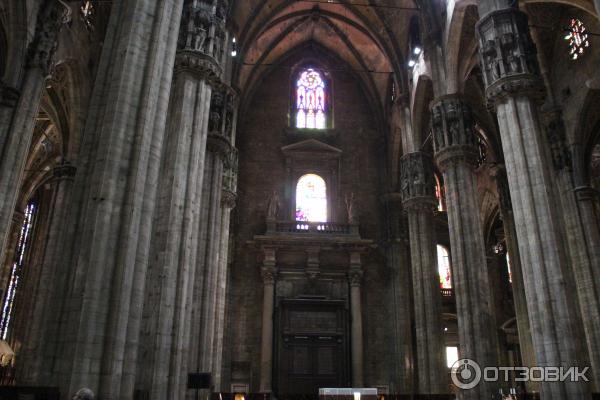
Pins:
x,y
273,207
351,209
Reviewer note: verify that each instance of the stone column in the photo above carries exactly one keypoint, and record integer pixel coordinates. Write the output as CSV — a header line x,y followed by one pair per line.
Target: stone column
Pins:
x,y
173,263
115,189
456,155
511,76
228,199
597,5
16,132
580,228
268,272
40,346
518,285
356,326
418,193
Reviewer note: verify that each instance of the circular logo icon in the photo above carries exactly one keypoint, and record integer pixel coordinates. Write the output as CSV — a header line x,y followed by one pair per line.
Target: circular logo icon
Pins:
x,y
465,373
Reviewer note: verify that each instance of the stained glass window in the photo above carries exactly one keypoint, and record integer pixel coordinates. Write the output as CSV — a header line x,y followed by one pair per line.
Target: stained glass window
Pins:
x,y
310,100
444,268
577,37
451,355
311,199
17,268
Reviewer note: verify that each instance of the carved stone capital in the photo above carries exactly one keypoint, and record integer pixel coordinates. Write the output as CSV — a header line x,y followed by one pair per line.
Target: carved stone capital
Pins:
x,y
417,181
268,274
199,65
554,127
508,55
64,171
228,199
8,95
219,145
454,139
355,276
53,15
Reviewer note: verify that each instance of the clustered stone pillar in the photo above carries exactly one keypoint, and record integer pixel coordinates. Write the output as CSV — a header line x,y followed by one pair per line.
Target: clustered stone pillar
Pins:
x,y
511,76
456,155
518,285
17,119
355,274
110,222
268,272
179,213
418,194
581,230
35,368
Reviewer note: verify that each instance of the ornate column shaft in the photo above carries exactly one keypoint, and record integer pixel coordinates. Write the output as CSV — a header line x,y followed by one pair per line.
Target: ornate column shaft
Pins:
x,y
356,330
418,194
228,199
581,230
511,75
16,131
456,155
114,196
518,285
268,272
41,344
174,250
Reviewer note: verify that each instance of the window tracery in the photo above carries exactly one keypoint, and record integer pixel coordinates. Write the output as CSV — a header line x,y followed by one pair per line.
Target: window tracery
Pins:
x,y
578,38
311,101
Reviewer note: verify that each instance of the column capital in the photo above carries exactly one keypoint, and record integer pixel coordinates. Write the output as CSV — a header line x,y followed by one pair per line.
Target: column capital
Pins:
x,y
53,15
355,276
8,95
228,199
454,139
65,171
508,55
417,181
268,274
199,65
554,127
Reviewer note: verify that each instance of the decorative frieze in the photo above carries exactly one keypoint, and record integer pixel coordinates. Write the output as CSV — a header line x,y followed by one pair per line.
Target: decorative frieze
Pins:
x,y
53,15
417,181
454,139
508,55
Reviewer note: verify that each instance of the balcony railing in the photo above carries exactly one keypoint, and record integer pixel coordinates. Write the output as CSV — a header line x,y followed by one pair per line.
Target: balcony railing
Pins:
x,y
318,228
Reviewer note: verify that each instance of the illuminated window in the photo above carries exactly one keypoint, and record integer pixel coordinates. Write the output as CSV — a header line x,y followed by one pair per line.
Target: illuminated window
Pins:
x,y
508,267
310,100
451,355
311,199
577,38
444,268
17,268
439,193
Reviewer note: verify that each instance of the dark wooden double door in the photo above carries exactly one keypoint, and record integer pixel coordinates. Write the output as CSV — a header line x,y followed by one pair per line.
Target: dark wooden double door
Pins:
x,y
311,346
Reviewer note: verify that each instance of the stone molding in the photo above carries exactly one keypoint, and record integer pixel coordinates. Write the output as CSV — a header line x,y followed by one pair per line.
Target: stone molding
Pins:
x,y
9,96
53,15
508,55
454,139
64,171
417,181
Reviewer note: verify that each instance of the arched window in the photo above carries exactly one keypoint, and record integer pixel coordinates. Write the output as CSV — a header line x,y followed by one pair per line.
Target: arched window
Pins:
x,y
16,271
439,194
311,101
311,199
444,267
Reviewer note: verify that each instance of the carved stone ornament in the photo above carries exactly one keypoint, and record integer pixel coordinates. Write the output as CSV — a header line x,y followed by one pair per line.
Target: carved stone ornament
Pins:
x,y
268,275
8,95
508,55
53,15
355,277
417,181
453,135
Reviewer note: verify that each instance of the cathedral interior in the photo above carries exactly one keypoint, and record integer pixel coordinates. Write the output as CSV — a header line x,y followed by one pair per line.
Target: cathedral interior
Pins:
x,y
256,199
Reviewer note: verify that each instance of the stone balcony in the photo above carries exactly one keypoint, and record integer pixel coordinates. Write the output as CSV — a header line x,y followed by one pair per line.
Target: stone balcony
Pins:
x,y
304,228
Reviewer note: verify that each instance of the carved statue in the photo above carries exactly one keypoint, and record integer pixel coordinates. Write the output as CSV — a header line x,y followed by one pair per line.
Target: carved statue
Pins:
x,y
273,208
350,209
